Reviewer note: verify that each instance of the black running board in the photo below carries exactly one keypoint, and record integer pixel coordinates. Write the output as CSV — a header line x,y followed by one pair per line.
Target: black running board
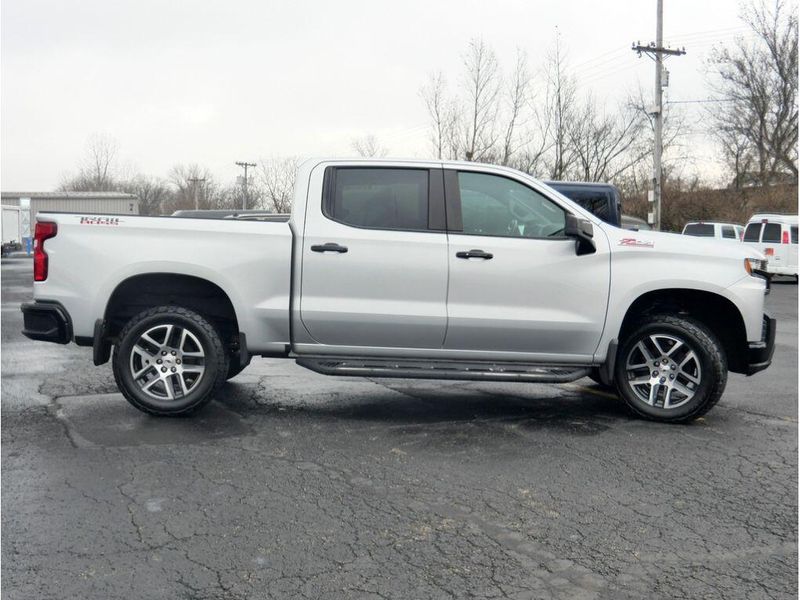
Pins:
x,y
430,369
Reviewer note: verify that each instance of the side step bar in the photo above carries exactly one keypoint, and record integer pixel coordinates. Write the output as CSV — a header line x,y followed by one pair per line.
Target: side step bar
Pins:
x,y
429,369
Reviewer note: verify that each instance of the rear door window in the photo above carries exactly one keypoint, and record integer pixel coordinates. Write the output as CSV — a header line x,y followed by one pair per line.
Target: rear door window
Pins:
x,y
728,232
772,233
751,234
794,234
699,229
380,198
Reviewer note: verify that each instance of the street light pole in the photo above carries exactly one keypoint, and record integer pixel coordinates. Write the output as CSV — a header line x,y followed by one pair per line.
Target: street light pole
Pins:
x,y
245,165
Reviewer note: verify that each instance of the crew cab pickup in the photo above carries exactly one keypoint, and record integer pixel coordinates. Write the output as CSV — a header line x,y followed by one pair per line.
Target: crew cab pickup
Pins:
x,y
440,270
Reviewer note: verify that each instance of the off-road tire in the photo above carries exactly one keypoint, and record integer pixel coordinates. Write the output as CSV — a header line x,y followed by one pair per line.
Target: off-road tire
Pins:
x,y
216,361
712,359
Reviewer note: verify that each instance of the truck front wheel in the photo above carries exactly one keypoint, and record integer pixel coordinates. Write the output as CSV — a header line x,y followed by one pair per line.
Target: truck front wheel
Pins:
x,y
670,369
169,361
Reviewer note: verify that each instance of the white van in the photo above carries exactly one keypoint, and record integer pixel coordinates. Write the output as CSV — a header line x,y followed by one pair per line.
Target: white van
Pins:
x,y
720,231
775,236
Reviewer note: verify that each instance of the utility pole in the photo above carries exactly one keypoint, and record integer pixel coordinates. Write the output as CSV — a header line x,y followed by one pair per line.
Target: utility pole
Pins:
x,y
245,165
195,181
657,52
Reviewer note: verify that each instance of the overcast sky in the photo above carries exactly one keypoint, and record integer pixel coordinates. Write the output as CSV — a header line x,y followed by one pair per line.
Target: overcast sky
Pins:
x,y
213,82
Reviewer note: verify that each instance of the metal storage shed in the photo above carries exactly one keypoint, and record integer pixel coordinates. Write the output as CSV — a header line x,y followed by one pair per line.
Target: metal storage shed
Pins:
x,y
114,203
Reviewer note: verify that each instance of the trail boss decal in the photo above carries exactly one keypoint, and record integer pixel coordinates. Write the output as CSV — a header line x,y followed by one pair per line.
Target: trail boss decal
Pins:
x,y
636,243
100,221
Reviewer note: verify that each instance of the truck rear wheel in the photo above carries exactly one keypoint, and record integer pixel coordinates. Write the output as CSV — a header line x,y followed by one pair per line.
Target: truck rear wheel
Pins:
x,y
671,369
169,361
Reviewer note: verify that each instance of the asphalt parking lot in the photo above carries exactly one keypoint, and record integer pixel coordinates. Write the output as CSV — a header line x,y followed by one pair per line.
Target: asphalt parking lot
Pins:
x,y
297,485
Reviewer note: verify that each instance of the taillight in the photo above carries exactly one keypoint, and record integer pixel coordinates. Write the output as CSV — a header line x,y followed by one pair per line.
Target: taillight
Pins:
x,y
785,237
44,231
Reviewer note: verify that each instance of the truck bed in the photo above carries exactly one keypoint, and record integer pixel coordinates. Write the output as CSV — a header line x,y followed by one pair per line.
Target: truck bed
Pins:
x,y
249,259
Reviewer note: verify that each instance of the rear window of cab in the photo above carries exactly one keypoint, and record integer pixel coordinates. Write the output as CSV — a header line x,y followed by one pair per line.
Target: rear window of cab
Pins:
x,y
699,229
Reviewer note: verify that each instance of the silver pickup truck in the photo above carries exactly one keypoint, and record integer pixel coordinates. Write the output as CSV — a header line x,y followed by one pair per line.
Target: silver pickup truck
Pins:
x,y
404,269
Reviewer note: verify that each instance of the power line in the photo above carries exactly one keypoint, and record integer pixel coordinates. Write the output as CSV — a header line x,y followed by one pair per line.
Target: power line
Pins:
x,y
707,101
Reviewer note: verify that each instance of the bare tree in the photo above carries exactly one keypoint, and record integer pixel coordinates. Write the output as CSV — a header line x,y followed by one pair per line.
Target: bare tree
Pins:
x,y
276,177
605,145
155,195
444,117
102,151
756,83
190,180
518,100
97,169
368,146
482,87
560,107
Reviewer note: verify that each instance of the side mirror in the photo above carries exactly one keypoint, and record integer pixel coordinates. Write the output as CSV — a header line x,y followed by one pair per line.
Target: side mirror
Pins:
x,y
582,231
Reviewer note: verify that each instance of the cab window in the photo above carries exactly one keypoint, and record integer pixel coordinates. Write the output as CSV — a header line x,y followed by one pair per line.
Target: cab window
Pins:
x,y
752,233
380,198
772,233
699,230
497,206
728,232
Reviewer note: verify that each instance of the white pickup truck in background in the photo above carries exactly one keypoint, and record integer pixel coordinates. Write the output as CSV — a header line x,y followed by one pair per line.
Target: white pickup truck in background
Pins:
x,y
404,269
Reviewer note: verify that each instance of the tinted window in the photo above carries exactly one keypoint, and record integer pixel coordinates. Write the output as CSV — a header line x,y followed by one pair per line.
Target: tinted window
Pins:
x,y
381,198
728,232
794,234
598,203
493,205
772,233
752,232
699,230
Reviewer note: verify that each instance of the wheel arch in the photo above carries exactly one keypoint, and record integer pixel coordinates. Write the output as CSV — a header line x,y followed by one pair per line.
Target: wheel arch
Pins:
x,y
715,311
147,290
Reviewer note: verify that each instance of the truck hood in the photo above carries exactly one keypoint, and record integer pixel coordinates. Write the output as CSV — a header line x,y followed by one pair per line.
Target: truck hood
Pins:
x,y
678,244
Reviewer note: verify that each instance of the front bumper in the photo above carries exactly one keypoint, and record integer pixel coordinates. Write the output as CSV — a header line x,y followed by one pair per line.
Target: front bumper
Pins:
x,y
759,354
46,322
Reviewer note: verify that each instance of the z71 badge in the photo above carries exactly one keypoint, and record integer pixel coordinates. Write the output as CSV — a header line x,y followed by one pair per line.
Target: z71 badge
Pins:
x,y
636,243
100,221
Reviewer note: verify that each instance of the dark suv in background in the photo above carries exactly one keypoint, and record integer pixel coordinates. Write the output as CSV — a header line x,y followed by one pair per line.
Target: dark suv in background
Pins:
x,y
602,199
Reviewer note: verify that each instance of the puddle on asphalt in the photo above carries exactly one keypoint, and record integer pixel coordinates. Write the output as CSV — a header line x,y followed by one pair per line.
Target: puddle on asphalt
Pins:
x,y
108,420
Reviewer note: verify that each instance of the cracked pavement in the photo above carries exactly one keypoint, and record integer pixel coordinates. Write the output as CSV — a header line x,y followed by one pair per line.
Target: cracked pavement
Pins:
x,y
296,485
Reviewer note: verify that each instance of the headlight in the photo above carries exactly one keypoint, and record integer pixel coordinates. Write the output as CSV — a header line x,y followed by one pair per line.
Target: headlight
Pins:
x,y
755,265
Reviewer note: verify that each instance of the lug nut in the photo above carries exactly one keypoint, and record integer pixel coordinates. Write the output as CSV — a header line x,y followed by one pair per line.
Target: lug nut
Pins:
x,y
663,379
173,353
163,353
655,364
159,361
655,373
177,362
672,376
664,361
672,367
163,369
174,369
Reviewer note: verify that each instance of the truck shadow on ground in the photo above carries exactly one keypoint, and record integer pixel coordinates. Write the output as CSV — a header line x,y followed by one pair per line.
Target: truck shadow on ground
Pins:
x,y
588,410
